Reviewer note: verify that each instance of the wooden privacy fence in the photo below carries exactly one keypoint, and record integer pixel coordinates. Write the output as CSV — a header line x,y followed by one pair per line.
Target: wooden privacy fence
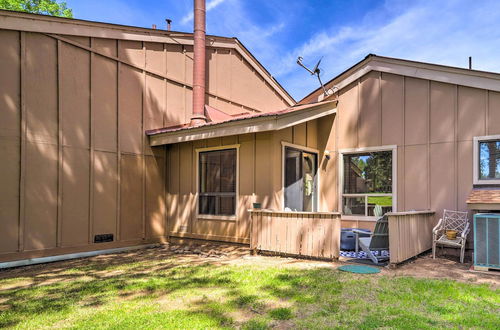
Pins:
x,y
410,233
310,234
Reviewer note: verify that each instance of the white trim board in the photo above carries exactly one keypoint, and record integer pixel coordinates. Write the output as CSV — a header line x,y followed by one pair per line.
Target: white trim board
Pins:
x,y
433,72
444,76
244,126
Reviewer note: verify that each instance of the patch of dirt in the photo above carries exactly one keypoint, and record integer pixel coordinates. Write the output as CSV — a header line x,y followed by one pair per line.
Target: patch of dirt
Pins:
x,y
444,268
168,256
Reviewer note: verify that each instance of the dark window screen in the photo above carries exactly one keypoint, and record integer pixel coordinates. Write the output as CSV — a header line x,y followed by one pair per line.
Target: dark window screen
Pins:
x,y
217,190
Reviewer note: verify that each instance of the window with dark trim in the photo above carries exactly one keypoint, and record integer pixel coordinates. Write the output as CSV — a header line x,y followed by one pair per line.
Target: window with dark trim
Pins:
x,y
217,182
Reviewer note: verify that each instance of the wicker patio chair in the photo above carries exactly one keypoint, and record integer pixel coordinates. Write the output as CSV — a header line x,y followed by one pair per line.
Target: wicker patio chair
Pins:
x,y
378,241
451,220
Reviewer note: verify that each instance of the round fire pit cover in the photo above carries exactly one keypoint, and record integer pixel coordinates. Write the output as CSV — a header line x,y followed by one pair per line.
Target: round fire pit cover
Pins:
x,y
359,269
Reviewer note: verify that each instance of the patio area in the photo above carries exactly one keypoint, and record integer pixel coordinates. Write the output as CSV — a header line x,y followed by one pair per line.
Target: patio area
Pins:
x,y
223,286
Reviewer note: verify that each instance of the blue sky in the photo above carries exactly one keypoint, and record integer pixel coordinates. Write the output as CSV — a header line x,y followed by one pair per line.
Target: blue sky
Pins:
x,y
341,31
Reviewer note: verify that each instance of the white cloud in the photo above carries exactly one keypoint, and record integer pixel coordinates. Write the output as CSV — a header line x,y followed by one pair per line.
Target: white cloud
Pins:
x,y
210,5
444,32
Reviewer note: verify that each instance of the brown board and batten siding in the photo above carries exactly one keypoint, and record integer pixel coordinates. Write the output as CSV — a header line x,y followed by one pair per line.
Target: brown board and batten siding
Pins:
x,y
260,180
432,124
76,98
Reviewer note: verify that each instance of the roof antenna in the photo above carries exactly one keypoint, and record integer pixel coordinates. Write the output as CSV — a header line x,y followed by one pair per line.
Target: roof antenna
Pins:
x,y
315,72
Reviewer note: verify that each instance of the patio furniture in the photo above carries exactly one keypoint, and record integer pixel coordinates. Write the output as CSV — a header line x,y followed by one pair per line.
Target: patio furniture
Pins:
x,y
348,238
378,241
451,220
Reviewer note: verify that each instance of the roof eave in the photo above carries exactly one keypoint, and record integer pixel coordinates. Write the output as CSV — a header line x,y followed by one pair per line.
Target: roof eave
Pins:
x,y
244,126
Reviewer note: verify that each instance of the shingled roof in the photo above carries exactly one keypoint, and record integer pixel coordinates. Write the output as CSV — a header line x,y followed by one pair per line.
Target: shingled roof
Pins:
x,y
484,196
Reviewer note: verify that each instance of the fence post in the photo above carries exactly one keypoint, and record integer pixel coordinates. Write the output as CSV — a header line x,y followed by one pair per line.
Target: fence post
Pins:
x,y
253,231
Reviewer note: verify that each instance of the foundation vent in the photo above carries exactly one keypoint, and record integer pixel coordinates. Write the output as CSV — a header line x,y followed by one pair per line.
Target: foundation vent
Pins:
x,y
102,238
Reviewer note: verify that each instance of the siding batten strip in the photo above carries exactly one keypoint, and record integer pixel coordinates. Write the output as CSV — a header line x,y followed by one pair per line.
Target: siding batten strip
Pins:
x,y
92,146
381,106
22,170
59,147
166,166
455,142
487,114
428,144
118,146
143,141
403,148
358,95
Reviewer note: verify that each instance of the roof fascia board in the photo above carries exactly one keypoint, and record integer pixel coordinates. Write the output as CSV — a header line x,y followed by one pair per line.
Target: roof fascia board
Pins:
x,y
445,76
42,24
304,116
251,125
423,71
56,25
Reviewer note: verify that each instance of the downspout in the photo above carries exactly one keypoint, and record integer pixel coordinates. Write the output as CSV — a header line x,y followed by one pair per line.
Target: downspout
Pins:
x,y
198,115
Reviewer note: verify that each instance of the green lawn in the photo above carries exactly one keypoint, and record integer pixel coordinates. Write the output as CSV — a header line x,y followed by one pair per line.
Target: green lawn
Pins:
x,y
380,200
165,292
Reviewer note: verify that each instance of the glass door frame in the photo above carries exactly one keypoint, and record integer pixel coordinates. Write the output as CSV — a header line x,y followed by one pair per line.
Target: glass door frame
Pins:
x,y
315,200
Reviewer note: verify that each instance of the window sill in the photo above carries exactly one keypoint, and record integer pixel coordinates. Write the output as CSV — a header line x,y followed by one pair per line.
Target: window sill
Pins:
x,y
216,217
487,183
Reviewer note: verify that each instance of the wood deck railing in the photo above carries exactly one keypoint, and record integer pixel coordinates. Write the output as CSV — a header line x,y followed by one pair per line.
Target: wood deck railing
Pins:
x,y
310,234
410,233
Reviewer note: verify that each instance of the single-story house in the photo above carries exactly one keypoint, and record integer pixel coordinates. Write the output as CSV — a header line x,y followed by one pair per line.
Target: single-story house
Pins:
x,y
101,149
399,134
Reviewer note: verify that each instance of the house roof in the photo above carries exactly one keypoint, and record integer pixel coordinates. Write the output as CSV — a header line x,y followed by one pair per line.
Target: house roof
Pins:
x,y
436,72
21,21
224,124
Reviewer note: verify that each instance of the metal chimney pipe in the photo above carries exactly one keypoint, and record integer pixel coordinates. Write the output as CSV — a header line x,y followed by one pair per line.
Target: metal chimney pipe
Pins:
x,y
198,116
169,24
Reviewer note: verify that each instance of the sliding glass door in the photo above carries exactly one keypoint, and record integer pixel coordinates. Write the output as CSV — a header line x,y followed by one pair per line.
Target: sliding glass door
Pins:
x,y
300,180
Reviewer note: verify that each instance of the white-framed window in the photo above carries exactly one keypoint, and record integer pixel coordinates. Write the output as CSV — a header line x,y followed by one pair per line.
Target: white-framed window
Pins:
x,y
367,181
217,180
486,159
300,178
